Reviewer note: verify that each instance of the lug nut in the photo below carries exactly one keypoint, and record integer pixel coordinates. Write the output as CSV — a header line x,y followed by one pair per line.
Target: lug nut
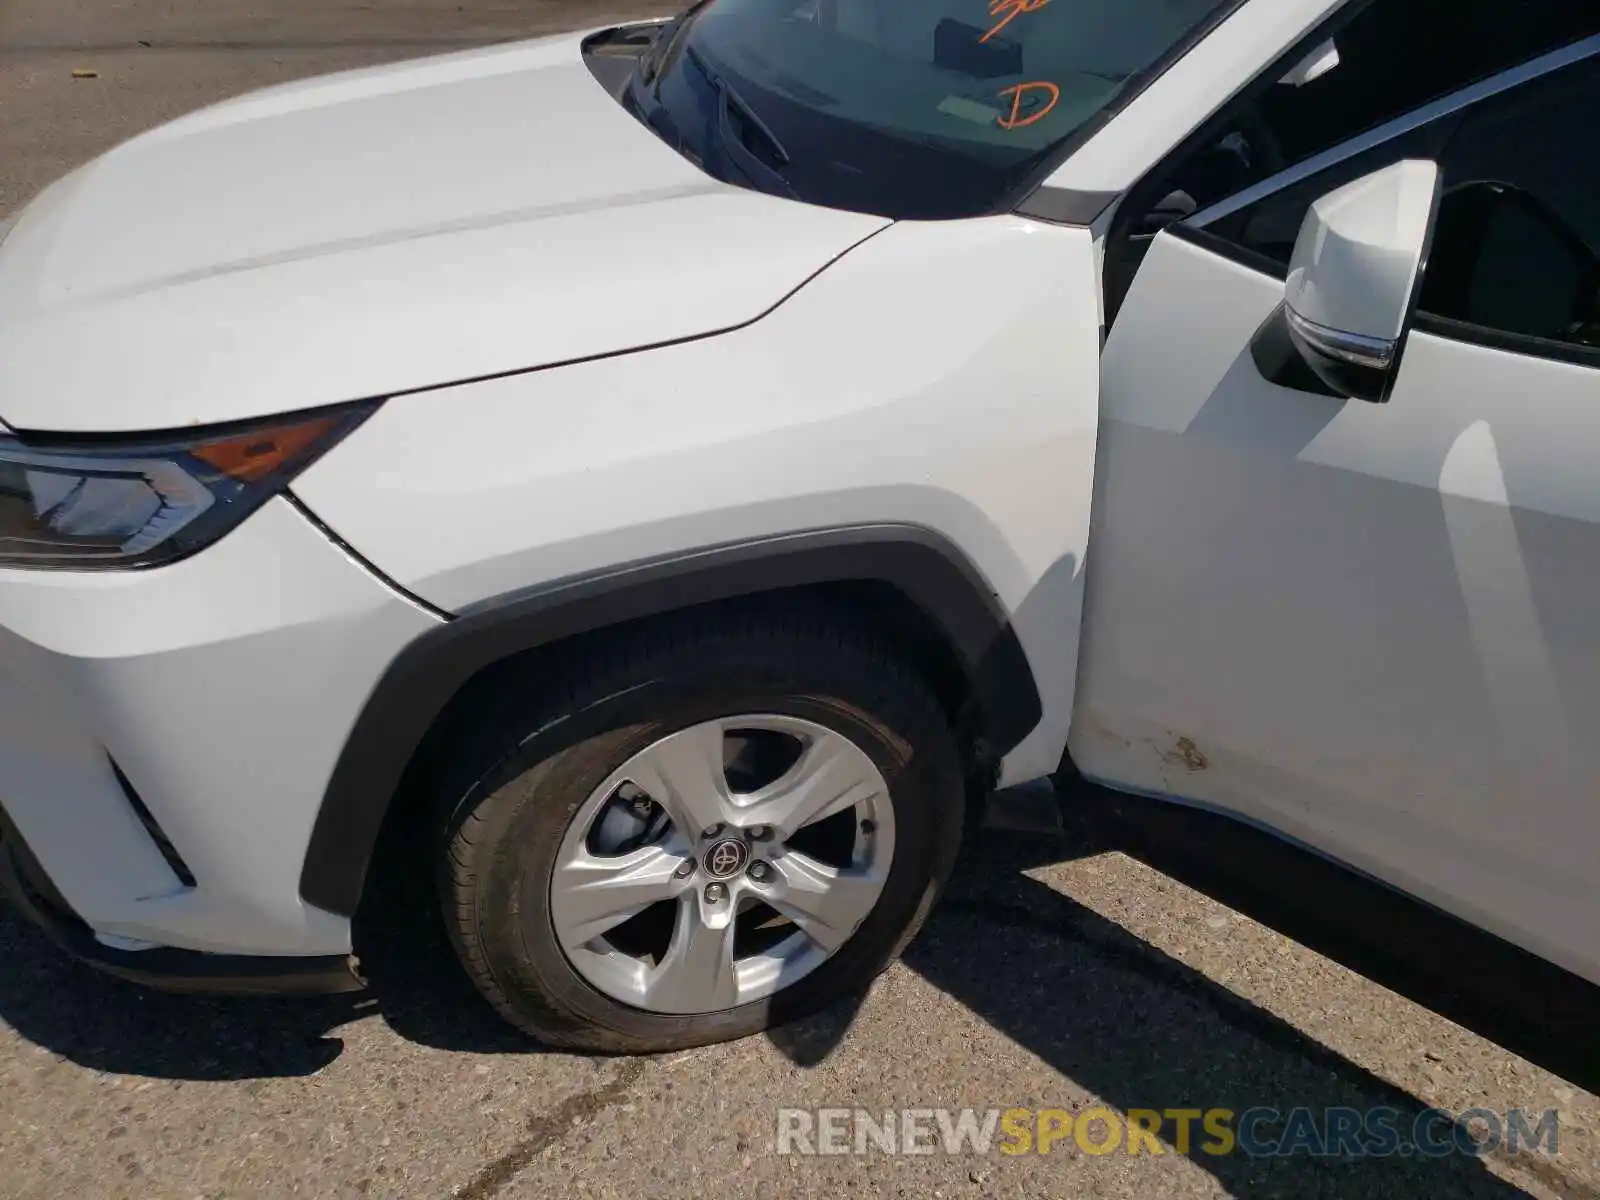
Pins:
x,y
760,833
715,893
712,832
760,872
685,869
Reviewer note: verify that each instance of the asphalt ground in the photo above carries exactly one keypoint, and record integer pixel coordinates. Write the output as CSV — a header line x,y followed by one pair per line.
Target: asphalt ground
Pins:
x,y
1058,974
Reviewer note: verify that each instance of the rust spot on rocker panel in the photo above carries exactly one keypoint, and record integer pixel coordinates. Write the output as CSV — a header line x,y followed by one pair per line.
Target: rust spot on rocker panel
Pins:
x,y
1187,755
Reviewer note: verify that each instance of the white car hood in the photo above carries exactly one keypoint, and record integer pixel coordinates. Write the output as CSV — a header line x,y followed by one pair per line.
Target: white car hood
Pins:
x,y
375,232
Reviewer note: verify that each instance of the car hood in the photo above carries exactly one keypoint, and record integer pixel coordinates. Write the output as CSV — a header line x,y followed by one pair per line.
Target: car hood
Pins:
x,y
375,232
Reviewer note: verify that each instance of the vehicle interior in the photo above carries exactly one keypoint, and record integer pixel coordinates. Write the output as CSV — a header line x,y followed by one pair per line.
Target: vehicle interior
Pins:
x,y
1392,57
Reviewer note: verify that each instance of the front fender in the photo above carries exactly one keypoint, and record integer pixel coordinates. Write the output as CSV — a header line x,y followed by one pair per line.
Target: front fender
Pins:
x,y
924,568
941,376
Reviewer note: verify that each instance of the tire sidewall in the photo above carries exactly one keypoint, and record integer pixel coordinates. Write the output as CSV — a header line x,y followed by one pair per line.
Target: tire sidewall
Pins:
x,y
535,792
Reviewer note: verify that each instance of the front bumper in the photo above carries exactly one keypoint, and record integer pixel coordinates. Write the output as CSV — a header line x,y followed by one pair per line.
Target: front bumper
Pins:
x,y
23,882
166,737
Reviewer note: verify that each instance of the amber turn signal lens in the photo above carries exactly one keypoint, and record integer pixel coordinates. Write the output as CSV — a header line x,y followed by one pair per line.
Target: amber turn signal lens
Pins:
x,y
257,454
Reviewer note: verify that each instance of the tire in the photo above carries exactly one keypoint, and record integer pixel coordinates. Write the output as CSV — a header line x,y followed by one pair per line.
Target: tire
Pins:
x,y
547,740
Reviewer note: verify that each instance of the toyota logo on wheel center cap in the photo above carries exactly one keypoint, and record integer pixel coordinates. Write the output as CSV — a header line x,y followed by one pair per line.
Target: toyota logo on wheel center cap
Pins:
x,y
726,858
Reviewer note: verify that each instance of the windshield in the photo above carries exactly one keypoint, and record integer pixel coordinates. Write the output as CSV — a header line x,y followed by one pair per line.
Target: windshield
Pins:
x,y
906,108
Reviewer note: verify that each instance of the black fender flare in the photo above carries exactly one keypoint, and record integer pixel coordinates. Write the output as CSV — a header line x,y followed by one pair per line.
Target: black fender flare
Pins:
x,y
925,567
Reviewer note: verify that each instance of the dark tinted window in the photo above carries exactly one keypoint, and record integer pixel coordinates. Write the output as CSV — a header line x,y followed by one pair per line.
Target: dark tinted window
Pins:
x,y
1393,57
1517,245
1396,55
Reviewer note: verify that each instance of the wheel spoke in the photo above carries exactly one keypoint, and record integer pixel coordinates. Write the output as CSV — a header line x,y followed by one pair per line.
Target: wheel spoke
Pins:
x,y
697,973
680,878
827,903
684,774
831,776
592,895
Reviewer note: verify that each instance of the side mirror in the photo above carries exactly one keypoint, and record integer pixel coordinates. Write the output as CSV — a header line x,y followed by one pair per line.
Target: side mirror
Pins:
x,y
1353,282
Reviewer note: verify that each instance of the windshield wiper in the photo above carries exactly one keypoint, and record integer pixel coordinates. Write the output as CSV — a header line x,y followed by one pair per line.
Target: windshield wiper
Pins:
x,y
668,43
729,103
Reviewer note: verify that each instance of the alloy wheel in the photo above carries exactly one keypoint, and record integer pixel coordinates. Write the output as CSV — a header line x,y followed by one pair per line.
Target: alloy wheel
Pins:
x,y
722,863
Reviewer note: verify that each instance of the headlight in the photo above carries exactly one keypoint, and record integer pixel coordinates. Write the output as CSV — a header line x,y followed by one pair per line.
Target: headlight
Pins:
x,y
93,504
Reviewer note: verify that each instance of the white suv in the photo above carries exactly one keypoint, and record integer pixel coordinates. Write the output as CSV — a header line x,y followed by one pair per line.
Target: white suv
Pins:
x,y
670,455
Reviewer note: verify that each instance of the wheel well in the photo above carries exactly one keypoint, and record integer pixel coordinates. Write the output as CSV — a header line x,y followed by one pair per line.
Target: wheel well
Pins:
x,y
873,606
877,608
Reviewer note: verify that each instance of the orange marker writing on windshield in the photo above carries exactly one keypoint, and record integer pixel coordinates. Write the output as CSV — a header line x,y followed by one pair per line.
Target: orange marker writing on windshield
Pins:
x,y
1008,11
1015,119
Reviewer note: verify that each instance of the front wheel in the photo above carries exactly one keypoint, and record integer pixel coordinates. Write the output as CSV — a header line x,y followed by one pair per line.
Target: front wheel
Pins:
x,y
720,829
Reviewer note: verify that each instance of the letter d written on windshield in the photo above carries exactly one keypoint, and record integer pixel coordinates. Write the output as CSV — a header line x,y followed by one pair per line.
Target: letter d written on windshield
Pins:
x,y
1030,102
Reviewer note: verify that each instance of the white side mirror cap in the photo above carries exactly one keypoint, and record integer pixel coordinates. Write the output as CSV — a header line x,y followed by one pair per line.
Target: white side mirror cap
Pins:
x,y
1352,283
1356,262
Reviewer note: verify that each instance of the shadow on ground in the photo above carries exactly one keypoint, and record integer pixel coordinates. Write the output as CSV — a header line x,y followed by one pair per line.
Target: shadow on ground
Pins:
x,y
108,1025
1140,1029
1120,1018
